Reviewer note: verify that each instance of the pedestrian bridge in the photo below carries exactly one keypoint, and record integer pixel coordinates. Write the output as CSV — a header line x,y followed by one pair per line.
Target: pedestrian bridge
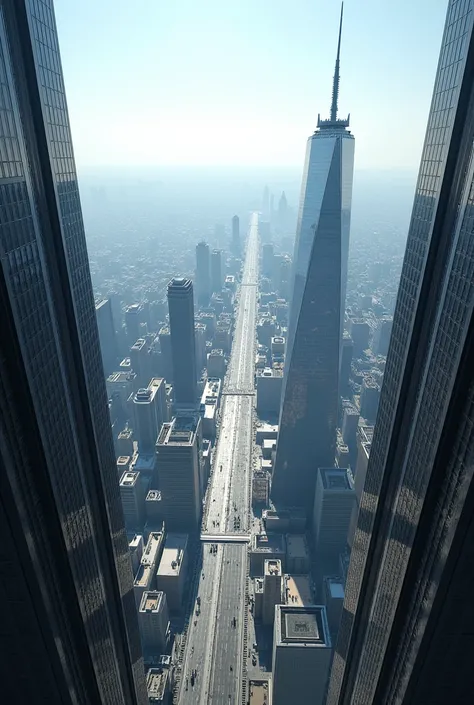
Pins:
x,y
225,538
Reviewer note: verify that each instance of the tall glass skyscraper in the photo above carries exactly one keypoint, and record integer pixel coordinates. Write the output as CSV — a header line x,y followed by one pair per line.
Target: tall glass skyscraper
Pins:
x,y
308,416
69,630
407,627
183,342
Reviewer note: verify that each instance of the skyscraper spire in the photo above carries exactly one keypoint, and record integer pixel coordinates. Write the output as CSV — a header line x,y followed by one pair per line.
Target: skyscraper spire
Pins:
x,y
335,84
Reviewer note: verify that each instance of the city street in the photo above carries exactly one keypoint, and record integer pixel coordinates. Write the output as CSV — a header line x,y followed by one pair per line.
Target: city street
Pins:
x,y
214,644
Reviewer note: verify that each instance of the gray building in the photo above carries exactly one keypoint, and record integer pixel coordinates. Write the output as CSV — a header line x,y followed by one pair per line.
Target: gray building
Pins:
x,y
236,250
132,494
301,654
107,335
154,622
172,571
69,629
203,274
310,385
216,270
181,310
272,589
150,412
407,628
178,451
334,502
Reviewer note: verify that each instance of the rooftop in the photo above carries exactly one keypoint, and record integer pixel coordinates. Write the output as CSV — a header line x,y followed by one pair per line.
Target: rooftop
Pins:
x,y
272,567
156,681
129,478
123,460
303,626
268,543
335,479
179,431
153,496
335,588
173,554
298,590
152,601
296,546
259,692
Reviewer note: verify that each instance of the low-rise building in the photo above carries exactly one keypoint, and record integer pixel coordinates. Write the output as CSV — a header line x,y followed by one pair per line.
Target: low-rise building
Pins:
x,y
171,575
333,595
158,686
266,431
216,363
297,554
260,487
260,691
298,590
272,589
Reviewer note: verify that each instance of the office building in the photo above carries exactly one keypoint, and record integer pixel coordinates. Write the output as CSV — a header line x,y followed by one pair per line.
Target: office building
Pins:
x,y
61,521
298,590
260,691
260,487
154,508
124,443
216,366
272,589
132,494
145,578
310,385
107,335
135,548
216,270
369,398
360,331
266,547
178,451
209,406
347,352
166,353
133,322
203,274
382,335
267,260
149,412
334,501
269,385
301,654
140,362
181,310
333,595
200,343
412,565
236,236
154,622
172,571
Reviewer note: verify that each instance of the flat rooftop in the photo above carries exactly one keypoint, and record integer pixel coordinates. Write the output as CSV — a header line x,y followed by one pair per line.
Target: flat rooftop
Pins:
x,y
173,554
129,479
144,462
296,546
151,601
335,479
272,566
335,588
179,431
259,692
153,496
303,625
269,543
298,590
156,681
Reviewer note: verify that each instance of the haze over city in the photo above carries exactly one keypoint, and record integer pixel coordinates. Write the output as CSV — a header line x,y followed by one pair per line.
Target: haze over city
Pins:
x,y
237,408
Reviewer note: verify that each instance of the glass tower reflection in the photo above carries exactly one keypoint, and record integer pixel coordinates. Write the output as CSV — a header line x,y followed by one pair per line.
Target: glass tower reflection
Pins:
x,y
308,414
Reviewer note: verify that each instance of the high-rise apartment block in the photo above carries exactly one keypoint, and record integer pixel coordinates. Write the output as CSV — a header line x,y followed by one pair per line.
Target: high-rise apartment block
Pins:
x,y
203,273
69,630
301,654
179,450
216,270
107,335
310,385
150,412
407,627
181,310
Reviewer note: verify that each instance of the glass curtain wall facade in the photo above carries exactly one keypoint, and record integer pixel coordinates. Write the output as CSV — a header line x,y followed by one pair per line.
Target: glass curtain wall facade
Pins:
x,y
183,344
69,630
407,628
308,415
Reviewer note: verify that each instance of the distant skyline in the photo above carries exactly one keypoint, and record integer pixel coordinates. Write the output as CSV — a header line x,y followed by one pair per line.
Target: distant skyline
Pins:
x,y
242,82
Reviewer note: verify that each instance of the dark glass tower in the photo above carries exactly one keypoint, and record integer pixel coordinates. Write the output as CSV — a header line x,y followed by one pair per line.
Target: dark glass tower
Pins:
x,y
407,628
181,310
308,415
69,630
203,273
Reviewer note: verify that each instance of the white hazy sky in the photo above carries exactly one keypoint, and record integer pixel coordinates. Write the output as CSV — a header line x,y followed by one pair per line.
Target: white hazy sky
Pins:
x,y
241,82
